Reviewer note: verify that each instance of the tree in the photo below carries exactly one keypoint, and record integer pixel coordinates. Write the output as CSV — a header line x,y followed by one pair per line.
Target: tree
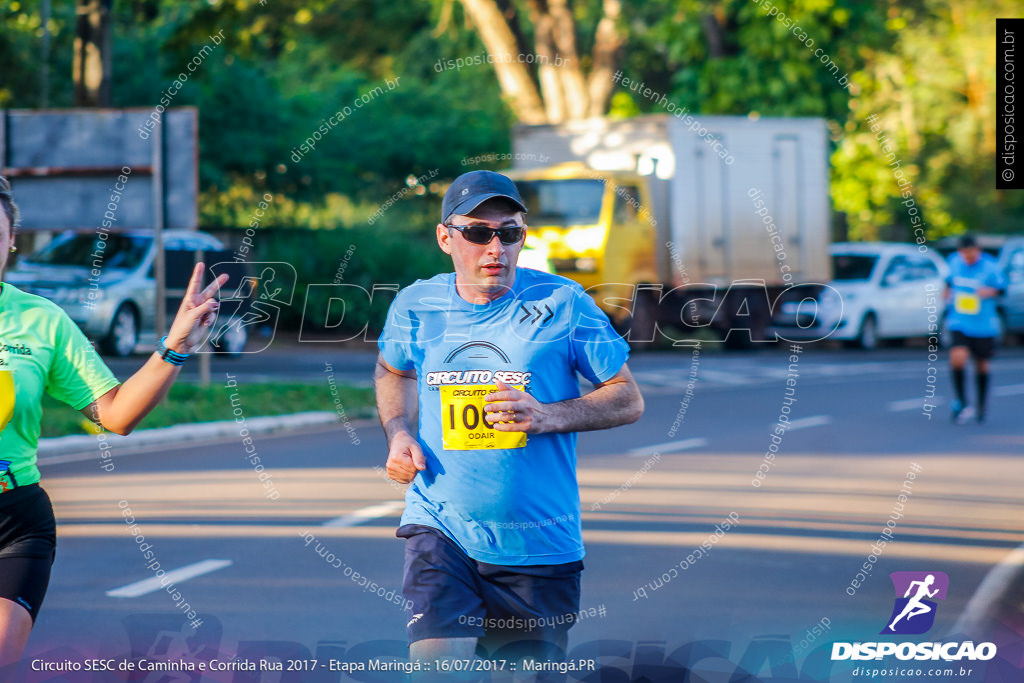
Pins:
x,y
559,90
741,56
920,70
92,69
932,99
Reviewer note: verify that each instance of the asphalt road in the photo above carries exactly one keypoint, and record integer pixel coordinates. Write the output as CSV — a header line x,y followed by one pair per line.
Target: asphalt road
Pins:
x,y
652,493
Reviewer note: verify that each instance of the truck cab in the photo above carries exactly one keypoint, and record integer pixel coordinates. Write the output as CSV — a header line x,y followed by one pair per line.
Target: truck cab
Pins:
x,y
596,227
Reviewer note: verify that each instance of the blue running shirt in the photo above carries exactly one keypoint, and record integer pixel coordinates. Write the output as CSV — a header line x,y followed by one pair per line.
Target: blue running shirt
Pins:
x,y
504,497
967,313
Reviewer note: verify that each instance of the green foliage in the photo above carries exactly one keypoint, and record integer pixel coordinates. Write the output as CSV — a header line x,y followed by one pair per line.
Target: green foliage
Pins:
x,y
761,64
21,38
395,251
933,96
282,70
925,68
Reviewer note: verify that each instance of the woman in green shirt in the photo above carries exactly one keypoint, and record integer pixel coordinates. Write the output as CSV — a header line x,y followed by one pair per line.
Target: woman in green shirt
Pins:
x,y
42,350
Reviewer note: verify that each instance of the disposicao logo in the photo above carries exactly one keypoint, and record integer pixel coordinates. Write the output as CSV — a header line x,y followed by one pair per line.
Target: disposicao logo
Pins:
x,y
913,613
916,592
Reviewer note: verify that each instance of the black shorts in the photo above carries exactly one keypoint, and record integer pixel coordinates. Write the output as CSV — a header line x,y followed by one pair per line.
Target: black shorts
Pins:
x,y
455,596
981,348
28,543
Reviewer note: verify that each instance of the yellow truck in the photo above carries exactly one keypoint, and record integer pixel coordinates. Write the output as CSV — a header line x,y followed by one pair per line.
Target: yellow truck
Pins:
x,y
673,229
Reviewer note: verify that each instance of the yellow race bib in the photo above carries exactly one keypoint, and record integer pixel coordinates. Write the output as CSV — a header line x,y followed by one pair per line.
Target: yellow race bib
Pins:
x,y
6,397
967,304
6,413
463,427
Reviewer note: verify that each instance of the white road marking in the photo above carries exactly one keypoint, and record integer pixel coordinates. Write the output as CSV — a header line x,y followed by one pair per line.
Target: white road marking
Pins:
x,y
728,377
668,447
915,403
1008,390
742,374
805,422
908,404
175,576
366,514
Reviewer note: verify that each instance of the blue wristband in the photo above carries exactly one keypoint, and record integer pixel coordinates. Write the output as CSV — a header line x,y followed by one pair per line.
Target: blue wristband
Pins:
x,y
168,355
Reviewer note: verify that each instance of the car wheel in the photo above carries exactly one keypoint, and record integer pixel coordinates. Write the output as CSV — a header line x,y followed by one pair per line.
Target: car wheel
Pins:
x,y
867,337
123,336
643,323
231,342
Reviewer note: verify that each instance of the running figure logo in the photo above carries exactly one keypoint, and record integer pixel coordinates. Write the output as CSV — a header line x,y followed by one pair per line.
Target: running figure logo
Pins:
x,y
914,612
256,303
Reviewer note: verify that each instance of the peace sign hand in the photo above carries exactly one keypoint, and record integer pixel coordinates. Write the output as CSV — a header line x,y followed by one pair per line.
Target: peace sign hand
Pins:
x,y
197,312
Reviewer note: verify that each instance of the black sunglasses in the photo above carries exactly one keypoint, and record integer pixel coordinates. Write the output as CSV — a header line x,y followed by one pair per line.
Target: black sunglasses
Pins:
x,y
481,234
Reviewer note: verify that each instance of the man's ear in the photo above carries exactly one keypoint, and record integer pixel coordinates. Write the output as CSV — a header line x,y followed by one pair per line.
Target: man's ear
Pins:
x,y
444,239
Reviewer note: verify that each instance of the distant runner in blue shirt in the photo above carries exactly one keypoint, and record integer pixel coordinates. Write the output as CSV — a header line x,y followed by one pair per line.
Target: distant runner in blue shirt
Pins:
x,y
975,281
488,356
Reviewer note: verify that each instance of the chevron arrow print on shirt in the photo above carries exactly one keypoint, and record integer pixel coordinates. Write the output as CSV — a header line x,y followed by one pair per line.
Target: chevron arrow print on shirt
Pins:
x,y
535,314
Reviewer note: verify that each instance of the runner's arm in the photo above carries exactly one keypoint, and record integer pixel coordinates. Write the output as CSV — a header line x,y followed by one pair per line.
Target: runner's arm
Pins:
x,y
396,406
121,409
614,402
993,286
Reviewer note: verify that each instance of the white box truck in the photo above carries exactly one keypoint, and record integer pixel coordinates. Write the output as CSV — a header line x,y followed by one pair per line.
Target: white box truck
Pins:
x,y
674,224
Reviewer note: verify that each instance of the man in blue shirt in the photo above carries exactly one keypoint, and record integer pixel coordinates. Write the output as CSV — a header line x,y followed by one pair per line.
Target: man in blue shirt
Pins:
x,y
488,356
974,282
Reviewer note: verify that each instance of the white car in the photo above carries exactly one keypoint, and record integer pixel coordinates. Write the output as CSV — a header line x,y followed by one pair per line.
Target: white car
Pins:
x,y
879,291
117,308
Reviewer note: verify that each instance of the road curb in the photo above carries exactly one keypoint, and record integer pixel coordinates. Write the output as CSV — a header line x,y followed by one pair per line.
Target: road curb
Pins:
x,y
51,449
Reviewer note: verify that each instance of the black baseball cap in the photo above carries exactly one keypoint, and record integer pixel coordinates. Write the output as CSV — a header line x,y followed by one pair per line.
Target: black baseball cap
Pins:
x,y
472,189
966,242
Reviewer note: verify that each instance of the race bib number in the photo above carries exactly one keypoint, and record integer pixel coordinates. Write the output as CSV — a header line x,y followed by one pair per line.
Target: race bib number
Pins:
x,y
6,397
463,427
967,304
7,481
